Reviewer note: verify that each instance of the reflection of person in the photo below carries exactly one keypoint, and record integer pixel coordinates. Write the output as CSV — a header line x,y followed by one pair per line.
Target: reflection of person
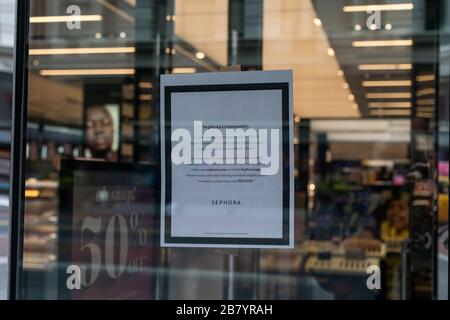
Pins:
x,y
100,133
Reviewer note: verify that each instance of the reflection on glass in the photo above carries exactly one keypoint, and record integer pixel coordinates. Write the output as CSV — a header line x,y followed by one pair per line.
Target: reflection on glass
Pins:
x,y
365,101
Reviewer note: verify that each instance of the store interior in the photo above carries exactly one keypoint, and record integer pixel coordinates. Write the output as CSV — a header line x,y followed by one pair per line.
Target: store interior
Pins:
x,y
371,97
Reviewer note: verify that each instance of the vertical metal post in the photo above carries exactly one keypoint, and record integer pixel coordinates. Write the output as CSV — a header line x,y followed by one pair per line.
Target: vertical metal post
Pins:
x,y
18,135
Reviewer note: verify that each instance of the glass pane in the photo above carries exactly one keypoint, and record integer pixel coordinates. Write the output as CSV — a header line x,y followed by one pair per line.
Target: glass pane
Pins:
x,y
370,95
6,70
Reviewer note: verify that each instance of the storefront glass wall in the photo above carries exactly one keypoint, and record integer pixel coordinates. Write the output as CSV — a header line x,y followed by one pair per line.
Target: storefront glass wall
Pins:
x,y
6,70
371,160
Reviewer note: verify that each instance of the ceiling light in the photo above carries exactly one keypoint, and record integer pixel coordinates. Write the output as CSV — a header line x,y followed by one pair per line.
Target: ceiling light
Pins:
x,y
389,104
340,73
330,52
355,106
426,91
426,102
381,7
381,112
98,35
388,95
145,97
86,72
382,43
388,26
351,97
317,22
357,27
425,114
184,70
392,66
32,193
373,27
425,77
122,35
68,18
58,51
345,85
387,83
200,55
145,85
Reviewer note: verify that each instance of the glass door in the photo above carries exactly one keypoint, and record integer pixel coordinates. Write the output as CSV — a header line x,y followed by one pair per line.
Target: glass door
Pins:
x,y
370,103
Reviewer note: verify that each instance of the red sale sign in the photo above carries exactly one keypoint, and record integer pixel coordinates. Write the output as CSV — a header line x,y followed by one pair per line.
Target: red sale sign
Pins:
x,y
107,230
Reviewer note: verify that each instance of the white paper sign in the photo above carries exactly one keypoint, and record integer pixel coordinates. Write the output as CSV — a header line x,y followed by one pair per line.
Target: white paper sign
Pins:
x,y
227,160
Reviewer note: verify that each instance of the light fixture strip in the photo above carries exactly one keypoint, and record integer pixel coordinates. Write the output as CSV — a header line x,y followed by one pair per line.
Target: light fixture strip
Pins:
x,y
382,43
388,95
388,112
387,83
389,104
392,66
62,51
68,18
86,72
380,7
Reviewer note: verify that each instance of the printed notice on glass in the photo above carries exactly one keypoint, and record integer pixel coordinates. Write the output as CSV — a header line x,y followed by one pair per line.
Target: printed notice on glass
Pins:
x,y
227,160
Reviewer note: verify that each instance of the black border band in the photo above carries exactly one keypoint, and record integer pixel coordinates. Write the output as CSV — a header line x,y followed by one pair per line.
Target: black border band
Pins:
x,y
168,90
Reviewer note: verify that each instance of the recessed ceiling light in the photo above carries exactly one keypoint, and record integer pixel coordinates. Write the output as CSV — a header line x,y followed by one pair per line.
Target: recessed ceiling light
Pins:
x,y
351,97
317,22
357,27
98,35
200,55
340,73
122,35
388,26
345,85
373,27
330,52
355,106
